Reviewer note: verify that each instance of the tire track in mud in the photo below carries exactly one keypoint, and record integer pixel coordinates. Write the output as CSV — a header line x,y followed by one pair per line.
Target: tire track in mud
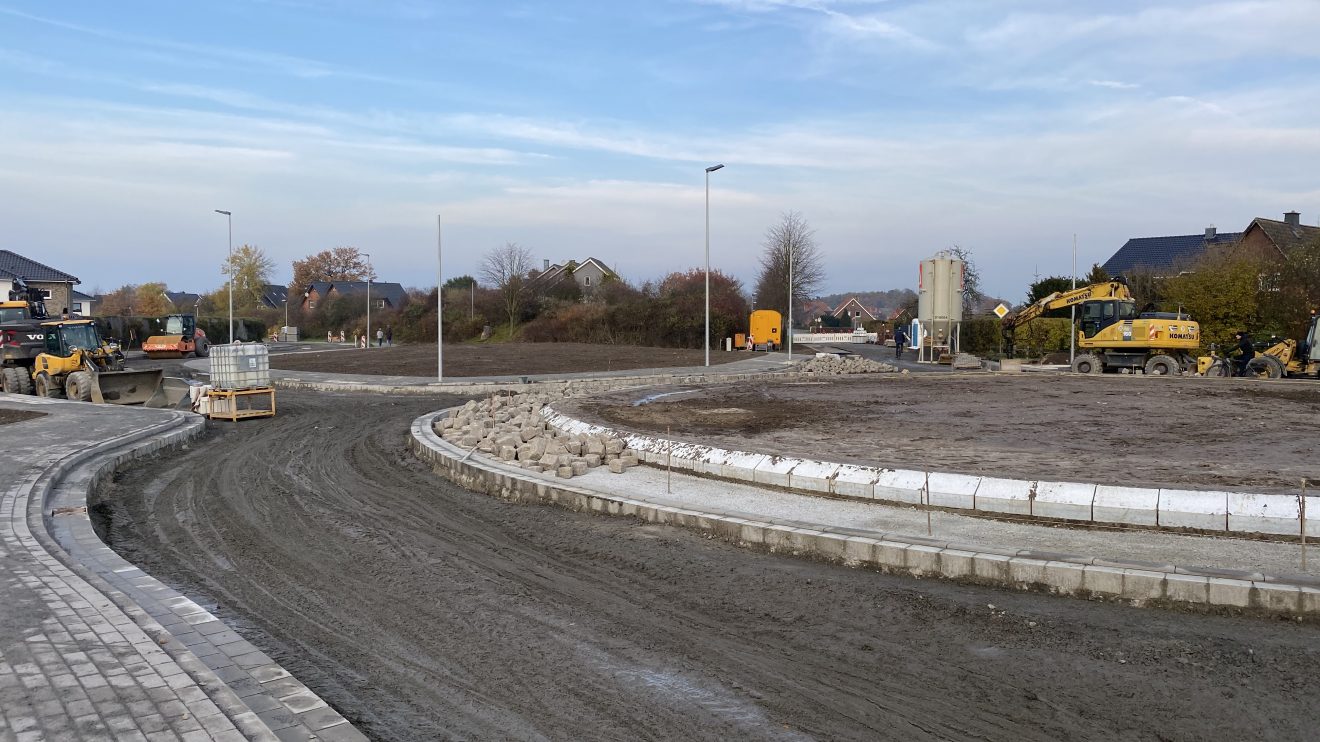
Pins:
x,y
422,611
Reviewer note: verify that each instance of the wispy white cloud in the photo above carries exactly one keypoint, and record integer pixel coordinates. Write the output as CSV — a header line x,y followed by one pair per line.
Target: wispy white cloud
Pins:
x,y
1114,84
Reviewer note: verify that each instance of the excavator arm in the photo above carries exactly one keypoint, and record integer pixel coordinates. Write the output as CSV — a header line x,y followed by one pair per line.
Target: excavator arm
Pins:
x,y
1060,300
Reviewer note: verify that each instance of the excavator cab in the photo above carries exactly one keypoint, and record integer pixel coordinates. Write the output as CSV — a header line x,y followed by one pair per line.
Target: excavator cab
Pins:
x,y
1101,313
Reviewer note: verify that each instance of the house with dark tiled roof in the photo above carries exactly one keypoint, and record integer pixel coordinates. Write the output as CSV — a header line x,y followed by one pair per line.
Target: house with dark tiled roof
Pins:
x,y
589,275
1165,256
183,301
274,295
854,312
384,294
55,285
83,305
1270,239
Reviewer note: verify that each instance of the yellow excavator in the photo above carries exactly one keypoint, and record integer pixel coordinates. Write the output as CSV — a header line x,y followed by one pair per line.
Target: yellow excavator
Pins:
x,y
77,364
1112,335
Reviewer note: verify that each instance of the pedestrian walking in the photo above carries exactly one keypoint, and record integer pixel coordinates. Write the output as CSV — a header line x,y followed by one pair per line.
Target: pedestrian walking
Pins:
x,y
900,340
389,335
380,337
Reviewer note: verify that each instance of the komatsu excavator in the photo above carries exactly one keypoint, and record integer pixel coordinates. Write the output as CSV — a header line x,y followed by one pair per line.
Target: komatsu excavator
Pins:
x,y
1112,335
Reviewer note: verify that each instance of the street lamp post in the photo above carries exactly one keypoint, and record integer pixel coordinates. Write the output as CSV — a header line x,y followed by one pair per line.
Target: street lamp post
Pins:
x,y
709,170
230,218
368,298
285,329
788,329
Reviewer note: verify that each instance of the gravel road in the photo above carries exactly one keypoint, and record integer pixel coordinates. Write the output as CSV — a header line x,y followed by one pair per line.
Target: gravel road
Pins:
x,y
422,611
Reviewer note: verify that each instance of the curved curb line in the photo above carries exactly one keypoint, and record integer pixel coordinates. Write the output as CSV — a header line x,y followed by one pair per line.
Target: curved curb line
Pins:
x,y
67,484
1061,574
1153,508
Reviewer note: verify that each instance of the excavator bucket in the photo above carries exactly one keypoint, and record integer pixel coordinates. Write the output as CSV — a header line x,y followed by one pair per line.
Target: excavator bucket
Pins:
x,y
126,387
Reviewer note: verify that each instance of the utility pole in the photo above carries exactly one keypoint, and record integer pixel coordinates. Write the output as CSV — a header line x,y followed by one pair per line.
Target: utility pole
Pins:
x,y
439,305
1072,329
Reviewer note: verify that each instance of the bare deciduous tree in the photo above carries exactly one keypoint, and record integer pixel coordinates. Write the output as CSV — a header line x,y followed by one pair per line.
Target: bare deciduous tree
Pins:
x,y
972,294
506,268
792,236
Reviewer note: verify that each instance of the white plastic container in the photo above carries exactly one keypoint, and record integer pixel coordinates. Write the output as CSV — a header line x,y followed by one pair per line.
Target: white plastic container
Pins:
x,y
240,366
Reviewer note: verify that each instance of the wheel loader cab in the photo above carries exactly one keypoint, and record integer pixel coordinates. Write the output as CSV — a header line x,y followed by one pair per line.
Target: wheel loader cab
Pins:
x,y
1101,313
64,339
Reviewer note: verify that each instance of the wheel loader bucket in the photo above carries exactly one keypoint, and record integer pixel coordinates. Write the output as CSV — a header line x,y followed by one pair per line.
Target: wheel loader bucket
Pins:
x,y
126,387
173,393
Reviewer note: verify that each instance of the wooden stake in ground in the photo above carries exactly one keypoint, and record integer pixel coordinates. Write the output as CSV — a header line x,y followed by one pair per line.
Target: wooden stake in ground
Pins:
x,y
669,460
1302,503
926,489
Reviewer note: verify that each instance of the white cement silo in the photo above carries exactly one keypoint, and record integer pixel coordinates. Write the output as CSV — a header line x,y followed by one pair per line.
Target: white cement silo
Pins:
x,y
939,306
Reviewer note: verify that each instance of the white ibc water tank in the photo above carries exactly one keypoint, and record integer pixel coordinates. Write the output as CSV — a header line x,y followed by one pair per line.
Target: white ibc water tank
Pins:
x,y
240,366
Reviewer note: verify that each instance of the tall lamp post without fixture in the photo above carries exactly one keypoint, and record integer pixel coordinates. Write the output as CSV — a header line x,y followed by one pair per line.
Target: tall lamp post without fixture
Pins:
x,y
230,218
368,298
439,306
709,170
284,330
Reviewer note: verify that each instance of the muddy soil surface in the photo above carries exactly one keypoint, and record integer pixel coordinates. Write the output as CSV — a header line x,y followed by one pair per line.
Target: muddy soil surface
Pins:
x,y
422,611
497,359
1123,430
8,416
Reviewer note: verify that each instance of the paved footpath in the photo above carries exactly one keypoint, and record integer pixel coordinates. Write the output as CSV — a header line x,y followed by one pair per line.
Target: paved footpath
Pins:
x,y
91,648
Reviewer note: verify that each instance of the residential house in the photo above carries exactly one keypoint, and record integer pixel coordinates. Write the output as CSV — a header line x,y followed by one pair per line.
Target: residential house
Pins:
x,y
854,312
83,305
1269,239
273,296
55,285
384,295
589,275
183,302
1165,256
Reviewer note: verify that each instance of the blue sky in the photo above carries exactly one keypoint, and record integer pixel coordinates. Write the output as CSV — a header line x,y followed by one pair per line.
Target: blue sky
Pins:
x,y
583,128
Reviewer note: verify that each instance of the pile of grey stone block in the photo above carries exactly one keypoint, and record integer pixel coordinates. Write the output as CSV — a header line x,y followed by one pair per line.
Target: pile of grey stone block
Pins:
x,y
831,364
510,428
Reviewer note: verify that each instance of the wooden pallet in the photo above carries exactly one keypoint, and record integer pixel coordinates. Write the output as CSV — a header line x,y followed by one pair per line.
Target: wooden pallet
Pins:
x,y
229,400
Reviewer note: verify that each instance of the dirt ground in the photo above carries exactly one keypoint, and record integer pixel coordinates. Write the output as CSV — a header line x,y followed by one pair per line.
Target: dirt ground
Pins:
x,y
1123,430
497,359
423,611
8,416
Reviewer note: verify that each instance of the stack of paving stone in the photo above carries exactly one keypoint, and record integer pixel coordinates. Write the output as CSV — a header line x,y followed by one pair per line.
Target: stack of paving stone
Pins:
x,y
510,428
966,360
830,364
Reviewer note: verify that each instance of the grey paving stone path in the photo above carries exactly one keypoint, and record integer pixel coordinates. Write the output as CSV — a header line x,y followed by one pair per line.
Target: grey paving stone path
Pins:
x,y
90,647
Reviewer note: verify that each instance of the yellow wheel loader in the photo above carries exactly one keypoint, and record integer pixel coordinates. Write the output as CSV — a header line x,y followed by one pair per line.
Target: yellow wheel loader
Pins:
x,y
78,365
1113,336
1283,358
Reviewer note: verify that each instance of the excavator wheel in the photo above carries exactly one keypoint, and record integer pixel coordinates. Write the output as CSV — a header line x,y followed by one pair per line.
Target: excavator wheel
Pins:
x,y
79,386
17,381
1088,363
46,387
1265,367
1162,365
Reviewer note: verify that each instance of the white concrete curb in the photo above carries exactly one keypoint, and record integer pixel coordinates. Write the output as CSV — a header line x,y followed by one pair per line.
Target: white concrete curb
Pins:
x,y
1134,583
1203,511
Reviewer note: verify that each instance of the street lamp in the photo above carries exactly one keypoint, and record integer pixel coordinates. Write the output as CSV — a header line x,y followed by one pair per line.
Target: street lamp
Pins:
x,y
230,218
709,170
368,256
284,330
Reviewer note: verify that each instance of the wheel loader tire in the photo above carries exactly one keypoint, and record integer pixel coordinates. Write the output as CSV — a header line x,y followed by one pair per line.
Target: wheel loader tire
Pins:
x,y
79,386
12,383
1265,367
1088,363
46,387
1162,365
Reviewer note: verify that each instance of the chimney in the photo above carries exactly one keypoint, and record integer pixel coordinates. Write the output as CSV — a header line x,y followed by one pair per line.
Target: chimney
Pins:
x,y
547,264
1210,233
1292,218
